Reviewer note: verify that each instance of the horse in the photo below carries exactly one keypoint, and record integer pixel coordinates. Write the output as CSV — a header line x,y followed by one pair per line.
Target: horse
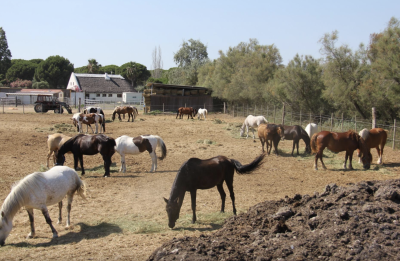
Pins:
x,y
54,142
132,112
374,138
271,132
252,122
311,129
296,133
197,174
136,145
336,142
186,110
82,144
201,112
88,119
37,191
97,110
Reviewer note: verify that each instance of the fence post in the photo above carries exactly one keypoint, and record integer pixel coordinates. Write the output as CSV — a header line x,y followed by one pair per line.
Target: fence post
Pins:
x,y
394,133
274,113
373,118
291,117
331,121
23,108
3,108
320,121
342,122
267,111
224,108
79,105
283,115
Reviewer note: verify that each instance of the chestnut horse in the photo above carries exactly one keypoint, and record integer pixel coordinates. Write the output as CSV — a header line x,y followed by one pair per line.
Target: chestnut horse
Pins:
x,y
271,132
336,142
186,110
374,138
132,112
197,174
296,133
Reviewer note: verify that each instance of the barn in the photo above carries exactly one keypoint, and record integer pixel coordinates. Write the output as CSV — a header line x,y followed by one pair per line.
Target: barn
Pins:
x,y
167,97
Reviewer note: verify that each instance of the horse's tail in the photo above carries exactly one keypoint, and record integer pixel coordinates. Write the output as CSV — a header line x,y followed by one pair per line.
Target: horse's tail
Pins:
x,y
265,120
244,169
161,144
82,189
313,143
177,114
113,116
103,122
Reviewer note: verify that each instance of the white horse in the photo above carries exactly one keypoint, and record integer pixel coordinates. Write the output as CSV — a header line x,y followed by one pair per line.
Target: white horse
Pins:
x,y
136,145
202,112
252,122
311,129
37,191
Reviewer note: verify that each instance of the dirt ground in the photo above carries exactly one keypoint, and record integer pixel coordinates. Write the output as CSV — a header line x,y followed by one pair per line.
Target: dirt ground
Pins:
x,y
124,216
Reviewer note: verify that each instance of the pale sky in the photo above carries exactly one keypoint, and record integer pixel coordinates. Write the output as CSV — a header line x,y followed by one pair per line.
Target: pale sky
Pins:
x,y
117,32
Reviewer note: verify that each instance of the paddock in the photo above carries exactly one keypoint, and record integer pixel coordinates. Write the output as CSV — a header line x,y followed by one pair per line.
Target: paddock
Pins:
x,y
124,216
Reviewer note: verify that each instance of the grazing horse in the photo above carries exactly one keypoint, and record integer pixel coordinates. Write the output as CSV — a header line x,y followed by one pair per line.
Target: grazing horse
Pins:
x,y
311,129
336,142
296,133
136,145
97,110
252,122
186,110
197,174
374,138
201,112
132,112
54,142
273,133
37,191
82,144
79,118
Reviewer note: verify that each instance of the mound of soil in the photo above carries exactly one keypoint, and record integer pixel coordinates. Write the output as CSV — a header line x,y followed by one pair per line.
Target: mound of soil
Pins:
x,y
357,222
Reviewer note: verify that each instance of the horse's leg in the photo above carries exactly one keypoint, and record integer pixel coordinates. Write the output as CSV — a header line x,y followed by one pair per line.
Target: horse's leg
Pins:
x,y
51,152
153,161
97,128
247,130
123,168
81,161
294,144
345,160
70,197
379,155
319,155
254,137
48,221
359,155
262,144
275,146
76,158
350,160
60,204
297,146
31,221
223,196
193,196
229,184
119,116
107,164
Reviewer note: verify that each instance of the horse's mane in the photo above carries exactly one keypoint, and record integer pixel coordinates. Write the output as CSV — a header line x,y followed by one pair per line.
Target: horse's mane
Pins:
x,y
29,185
67,146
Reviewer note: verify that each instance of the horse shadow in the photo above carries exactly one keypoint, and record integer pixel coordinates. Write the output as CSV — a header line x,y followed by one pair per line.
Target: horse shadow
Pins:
x,y
203,229
87,232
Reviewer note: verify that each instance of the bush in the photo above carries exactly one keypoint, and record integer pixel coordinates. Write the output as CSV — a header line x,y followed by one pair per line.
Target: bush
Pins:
x,y
41,85
21,83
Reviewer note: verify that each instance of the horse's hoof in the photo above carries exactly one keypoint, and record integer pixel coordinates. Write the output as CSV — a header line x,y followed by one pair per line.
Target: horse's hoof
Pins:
x,y
30,235
55,235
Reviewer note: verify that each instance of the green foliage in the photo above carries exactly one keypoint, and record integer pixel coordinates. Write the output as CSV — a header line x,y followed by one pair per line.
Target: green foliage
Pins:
x,y
136,73
36,61
5,53
56,70
93,66
110,69
21,69
41,85
82,69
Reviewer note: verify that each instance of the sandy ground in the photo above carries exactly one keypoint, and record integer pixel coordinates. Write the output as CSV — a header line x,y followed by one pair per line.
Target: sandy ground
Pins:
x,y
124,216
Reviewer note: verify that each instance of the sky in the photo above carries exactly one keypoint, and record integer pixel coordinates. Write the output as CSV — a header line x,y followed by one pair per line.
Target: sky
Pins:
x,y
116,32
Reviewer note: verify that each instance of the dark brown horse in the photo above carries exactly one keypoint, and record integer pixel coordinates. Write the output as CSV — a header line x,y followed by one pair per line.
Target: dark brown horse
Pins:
x,y
336,142
374,138
296,133
88,145
197,174
186,110
270,133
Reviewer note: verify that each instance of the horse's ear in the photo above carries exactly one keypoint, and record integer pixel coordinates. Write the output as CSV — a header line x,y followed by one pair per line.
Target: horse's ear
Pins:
x,y
166,200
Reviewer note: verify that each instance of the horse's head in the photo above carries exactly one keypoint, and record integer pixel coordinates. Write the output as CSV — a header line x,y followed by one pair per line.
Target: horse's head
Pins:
x,y
365,153
60,159
281,131
113,116
173,207
5,228
241,132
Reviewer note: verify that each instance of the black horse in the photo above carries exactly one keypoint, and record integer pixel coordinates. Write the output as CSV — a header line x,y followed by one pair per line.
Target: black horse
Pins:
x,y
83,144
97,110
296,133
197,174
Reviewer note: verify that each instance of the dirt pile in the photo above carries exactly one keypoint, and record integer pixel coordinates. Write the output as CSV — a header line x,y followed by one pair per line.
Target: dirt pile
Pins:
x,y
358,222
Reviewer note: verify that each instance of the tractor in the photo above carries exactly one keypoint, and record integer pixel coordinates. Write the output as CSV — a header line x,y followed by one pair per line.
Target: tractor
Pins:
x,y
45,103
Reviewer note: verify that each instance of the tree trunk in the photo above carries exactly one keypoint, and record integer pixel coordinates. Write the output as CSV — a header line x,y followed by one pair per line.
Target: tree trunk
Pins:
x,y
359,110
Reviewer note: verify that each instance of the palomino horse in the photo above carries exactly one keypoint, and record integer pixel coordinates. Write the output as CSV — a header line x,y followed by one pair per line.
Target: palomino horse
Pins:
x,y
252,122
311,129
336,142
37,191
79,118
96,110
374,138
197,174
54,142
271,133
186,110
202,112
296,133
132,112
130,145
88,145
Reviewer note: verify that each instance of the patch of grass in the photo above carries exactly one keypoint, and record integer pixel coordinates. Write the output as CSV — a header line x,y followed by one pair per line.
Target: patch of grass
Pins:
x,y
59,128
155,112
100,169
43,168
209,142
218,121
213,219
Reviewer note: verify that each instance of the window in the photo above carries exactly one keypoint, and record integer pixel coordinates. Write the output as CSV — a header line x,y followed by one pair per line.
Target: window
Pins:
x,y
119,95
97,94
110,95
104,95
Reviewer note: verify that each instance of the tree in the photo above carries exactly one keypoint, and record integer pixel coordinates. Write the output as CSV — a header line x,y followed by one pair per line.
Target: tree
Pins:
x,y
5,54
56,70
157,63
343,74
93,66
24,70
136,73
110,69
